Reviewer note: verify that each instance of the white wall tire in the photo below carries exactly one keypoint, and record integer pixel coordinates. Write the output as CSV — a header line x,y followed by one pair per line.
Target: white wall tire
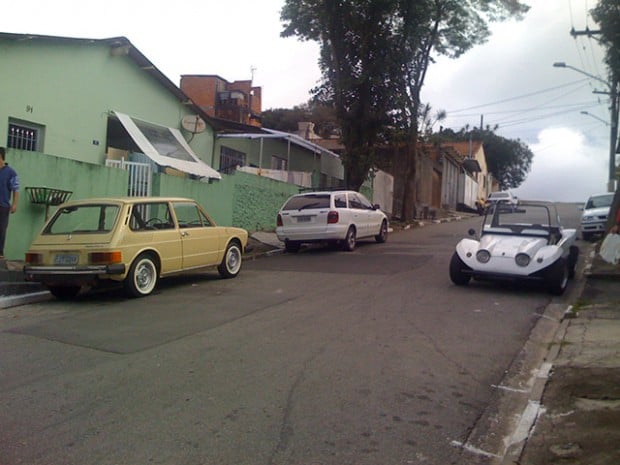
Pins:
x,y
142,277
231,263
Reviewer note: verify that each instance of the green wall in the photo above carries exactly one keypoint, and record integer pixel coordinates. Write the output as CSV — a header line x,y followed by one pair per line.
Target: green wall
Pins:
x,y
71,87
38,170
239,199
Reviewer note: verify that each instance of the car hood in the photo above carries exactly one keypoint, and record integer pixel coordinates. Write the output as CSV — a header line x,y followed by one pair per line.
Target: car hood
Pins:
x,y
602,211
510,246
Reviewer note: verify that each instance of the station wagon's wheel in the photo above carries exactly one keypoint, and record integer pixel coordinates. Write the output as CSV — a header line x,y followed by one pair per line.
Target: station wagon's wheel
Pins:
x,y
64,292
383,233
457,271
586,236
231,263
348,244
292,246
142,277
556,277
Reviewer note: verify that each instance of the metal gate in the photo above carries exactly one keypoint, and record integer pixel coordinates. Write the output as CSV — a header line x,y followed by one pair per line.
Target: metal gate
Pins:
x,y
140,176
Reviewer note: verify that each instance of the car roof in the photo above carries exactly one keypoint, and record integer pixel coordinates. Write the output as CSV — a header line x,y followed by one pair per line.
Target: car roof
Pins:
x,y
127,200
343,191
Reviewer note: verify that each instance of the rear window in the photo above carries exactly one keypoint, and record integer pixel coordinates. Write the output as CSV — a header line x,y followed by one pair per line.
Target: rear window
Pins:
x,y
304,202
83,219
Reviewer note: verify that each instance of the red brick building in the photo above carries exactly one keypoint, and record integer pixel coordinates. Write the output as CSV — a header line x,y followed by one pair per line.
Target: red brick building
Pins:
x,y
236,101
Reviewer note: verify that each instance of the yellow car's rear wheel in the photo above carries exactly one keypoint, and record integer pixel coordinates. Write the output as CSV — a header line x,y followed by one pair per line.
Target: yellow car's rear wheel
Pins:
x,y
142,277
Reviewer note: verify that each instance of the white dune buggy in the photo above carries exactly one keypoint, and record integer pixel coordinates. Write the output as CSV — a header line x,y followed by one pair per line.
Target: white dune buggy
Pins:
x,y
522,243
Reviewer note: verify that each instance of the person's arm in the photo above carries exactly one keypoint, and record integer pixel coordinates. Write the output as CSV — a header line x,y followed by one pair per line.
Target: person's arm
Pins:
x,y
14,204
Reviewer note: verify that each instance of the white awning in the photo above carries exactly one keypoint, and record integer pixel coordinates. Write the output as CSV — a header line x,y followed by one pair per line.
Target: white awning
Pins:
x,y
166,147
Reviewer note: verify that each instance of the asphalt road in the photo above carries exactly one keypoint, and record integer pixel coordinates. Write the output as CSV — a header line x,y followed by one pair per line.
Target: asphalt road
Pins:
x,y
322,357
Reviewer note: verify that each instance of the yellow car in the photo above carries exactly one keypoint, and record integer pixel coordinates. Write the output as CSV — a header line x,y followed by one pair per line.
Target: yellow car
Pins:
x,y
134,240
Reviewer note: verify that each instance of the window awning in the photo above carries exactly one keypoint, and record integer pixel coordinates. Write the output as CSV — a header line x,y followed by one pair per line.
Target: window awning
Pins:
x,y
166,147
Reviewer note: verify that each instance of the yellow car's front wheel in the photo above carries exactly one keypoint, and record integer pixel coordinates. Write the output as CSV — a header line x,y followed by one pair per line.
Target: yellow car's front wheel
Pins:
x,y
231,263
142,277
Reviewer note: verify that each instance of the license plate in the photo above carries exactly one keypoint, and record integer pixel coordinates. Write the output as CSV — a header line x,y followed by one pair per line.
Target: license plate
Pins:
x,y
304,219
66,259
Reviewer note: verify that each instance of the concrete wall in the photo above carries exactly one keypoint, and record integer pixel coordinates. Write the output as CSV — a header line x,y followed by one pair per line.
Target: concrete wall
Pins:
x,y
239,199
37,170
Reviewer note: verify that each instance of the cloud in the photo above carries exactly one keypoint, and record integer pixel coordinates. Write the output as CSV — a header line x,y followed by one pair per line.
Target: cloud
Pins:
x,y
565,167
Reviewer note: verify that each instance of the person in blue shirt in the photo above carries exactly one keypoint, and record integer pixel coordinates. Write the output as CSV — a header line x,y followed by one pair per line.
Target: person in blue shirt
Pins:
x,y
9,194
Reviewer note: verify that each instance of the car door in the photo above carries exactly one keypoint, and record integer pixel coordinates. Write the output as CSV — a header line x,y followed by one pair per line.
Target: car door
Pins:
x,y
200,239
359,214
375,216
152,222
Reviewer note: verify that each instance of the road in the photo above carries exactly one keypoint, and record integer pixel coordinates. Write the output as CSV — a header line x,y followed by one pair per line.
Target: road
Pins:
x,y
322,357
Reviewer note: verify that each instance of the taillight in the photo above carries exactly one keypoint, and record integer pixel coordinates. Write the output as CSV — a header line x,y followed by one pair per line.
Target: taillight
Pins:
x,y
279,220
34,258
103,258
332,217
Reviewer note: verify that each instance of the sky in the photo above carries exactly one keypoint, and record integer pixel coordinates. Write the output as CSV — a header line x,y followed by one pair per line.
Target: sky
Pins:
x,y
510,81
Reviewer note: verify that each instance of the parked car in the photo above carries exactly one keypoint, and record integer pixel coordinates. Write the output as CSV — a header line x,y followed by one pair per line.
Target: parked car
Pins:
x,y
594,216
504,197
134,241
526,243
330,216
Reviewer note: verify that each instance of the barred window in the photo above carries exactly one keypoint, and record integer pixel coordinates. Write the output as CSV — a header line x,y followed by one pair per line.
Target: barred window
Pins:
x,y
24,137
230,159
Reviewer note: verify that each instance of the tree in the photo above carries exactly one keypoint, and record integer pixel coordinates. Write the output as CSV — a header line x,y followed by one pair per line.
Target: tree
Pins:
x,y
283,119
508,160
607,15
374,58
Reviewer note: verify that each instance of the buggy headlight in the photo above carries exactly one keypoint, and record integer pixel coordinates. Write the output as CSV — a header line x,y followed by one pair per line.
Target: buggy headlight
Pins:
x,y
522,259
483,256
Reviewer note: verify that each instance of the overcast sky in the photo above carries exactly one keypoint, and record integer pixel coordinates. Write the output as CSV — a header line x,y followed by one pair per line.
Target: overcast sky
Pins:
x,y
509,81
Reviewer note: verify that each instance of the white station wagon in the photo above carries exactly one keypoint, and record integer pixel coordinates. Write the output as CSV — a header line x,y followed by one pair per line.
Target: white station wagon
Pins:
x,y
330,216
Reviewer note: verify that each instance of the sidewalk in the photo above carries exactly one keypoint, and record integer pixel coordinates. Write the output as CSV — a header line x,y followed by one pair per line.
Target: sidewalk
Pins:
x,y
579,416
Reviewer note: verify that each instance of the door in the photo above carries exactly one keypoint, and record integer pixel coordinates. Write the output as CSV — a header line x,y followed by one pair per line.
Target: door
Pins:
x,y
200,239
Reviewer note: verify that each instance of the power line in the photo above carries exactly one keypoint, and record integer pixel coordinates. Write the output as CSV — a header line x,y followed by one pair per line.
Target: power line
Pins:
x,y
519,96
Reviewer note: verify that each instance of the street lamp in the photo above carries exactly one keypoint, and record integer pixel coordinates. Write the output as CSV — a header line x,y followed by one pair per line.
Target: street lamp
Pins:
x,y
613,95
595,117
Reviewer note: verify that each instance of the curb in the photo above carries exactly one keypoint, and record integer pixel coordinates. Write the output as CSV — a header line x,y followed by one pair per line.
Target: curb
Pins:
x,y
529,416
23,299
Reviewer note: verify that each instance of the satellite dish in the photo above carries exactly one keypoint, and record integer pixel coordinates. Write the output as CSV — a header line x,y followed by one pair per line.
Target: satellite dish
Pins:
x,y
193,123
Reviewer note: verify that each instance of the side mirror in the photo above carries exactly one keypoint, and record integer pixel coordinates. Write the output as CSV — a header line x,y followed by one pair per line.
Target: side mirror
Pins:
x,y
376,206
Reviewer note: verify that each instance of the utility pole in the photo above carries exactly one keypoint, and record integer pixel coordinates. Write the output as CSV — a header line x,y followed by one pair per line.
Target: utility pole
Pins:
x,y
613,95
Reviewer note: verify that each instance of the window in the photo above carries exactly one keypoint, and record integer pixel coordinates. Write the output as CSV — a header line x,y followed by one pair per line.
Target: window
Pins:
x,y
230,159
302,202
340,201
190,216
278,163
355,202
83,219
149,216
24,136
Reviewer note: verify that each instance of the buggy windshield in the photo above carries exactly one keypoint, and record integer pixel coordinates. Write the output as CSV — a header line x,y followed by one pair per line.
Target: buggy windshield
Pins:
x,y
528,219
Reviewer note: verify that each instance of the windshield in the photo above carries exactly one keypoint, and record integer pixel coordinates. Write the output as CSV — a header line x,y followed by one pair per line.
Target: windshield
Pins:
x,y
83,219
600,201
524,219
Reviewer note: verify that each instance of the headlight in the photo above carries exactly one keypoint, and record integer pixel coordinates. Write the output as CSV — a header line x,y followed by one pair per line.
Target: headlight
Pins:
x,y
522,259
483,256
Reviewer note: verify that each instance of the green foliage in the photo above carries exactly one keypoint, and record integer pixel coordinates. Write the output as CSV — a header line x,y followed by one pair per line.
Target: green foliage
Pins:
x,y
509,160
607,15
374,57
282,119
